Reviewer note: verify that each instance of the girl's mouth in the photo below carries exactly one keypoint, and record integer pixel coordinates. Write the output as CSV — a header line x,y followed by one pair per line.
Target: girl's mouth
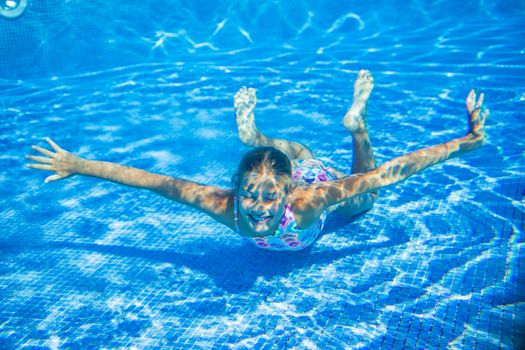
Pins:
x,y
259,219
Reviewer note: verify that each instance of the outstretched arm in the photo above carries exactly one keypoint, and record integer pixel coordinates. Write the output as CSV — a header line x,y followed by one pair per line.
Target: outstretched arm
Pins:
x,y
209,199
400,168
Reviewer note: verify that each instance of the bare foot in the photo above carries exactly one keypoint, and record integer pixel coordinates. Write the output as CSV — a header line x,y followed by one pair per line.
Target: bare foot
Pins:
x,y
354,120
244,103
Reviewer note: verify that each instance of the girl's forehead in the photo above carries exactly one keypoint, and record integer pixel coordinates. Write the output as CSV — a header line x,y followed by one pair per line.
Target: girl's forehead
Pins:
x,y
254,180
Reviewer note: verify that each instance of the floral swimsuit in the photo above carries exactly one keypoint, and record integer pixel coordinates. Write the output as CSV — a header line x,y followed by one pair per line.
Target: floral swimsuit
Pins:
x,y
288,236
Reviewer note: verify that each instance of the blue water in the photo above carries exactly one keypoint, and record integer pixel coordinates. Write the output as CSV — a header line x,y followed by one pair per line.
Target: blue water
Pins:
x,y
436,264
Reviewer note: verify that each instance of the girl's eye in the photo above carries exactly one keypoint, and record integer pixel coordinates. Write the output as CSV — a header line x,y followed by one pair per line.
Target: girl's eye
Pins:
x,y
271,199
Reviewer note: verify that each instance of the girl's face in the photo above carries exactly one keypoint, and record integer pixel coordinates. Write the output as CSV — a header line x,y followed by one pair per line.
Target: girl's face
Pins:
x,y
261,202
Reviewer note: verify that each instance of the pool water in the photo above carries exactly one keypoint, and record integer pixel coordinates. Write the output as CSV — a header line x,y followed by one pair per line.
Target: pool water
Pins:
x,y
436,264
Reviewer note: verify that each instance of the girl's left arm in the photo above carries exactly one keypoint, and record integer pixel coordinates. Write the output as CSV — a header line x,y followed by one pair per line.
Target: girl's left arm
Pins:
x,y
333,192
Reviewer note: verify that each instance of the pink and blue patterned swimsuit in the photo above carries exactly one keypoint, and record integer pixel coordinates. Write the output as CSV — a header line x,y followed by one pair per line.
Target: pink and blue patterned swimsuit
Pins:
x,y
288,235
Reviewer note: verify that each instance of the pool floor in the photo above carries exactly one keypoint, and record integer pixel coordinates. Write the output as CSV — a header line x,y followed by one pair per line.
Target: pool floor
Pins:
x,y
437,263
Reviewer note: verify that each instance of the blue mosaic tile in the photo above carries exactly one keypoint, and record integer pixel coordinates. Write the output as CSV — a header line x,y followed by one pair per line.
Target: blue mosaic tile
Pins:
x,y
436,264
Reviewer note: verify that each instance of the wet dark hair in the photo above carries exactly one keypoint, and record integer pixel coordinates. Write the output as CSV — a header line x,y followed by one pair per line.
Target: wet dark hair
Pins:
x,y
269,157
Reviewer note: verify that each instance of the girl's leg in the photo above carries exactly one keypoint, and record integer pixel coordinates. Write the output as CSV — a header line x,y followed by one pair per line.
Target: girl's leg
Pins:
x,y
363,155
244,103
354,121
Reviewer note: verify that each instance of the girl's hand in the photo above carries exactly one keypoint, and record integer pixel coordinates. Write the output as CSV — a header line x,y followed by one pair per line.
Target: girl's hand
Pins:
x,y
476,113
62,162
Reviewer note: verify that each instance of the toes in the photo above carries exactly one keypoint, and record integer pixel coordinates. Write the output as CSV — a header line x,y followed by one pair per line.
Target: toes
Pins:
x,y
365,75
251,95
240,93
370,79
363,85
245,97
364,80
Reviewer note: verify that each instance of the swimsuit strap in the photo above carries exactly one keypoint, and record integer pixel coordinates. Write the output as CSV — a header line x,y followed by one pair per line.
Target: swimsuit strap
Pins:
x,y
236,214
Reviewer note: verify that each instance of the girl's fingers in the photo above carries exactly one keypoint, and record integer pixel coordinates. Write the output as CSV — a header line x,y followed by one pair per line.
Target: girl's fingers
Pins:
x,y
485,113
43,151
52,178
475,114
54,145
40,167
480,100
471,100
40,159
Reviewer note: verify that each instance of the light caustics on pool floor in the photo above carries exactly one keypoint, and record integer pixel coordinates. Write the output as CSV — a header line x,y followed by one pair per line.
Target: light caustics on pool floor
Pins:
x,y
437,263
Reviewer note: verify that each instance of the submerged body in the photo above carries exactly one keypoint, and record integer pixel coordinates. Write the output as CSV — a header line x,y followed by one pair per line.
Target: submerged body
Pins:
x,y
281,194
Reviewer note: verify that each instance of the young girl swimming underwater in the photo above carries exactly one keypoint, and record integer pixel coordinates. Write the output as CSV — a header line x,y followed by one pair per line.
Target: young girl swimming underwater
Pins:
x,y
281,194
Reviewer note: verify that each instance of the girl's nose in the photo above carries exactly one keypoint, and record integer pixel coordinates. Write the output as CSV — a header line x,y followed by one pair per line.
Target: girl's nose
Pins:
x,y
259,207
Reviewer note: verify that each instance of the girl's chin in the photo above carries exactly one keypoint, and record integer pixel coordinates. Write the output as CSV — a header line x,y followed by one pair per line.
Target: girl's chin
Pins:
x,y
261,227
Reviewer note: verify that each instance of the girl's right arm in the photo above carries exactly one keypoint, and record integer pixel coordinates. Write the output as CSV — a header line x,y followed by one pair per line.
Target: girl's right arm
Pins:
x,y
214,201
314,199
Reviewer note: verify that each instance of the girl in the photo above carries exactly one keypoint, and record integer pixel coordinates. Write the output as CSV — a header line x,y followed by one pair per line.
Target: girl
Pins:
x,y
281,194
